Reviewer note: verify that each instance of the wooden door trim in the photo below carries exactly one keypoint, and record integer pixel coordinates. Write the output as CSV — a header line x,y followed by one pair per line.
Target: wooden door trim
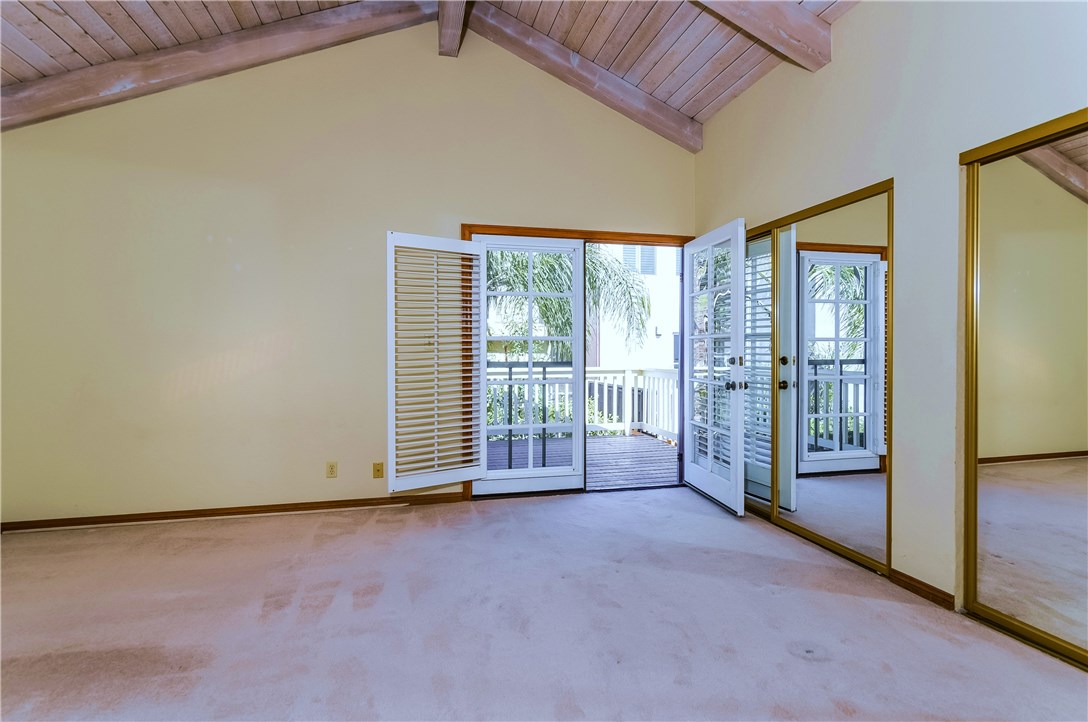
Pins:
x,y
639,239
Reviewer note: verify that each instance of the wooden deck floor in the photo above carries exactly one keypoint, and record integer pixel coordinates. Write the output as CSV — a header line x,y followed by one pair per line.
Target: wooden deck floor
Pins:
x,y
620,462
612,462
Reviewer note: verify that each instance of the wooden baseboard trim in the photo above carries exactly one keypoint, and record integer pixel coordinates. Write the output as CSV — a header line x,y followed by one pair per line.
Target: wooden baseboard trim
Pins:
x,y
413,500
927,591
1033,457
848,472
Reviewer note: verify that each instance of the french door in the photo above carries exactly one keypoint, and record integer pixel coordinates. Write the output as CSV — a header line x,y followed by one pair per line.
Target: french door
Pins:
x,y
714,380
533,343
840,362
486,345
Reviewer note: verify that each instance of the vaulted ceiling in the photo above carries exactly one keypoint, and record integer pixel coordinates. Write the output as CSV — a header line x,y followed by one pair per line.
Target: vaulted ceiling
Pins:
x,y
669,65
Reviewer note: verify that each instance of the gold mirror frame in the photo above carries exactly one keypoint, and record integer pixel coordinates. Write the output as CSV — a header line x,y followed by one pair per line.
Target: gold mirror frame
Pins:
x,y
771,512
973,160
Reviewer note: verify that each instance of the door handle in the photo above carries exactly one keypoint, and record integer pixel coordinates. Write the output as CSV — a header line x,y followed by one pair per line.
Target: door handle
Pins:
x,y
783,360
730,385
783,384
744,384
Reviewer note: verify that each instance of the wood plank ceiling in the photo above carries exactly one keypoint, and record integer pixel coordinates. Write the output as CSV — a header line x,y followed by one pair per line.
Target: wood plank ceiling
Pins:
x,y
49,37
678,52
675,63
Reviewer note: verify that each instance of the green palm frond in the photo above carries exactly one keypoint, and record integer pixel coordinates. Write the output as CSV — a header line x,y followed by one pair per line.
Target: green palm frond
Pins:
x,y
613,291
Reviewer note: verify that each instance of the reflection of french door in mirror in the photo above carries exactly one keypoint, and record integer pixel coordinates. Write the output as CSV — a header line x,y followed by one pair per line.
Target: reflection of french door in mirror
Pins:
x,y
713,338
533,365
838,368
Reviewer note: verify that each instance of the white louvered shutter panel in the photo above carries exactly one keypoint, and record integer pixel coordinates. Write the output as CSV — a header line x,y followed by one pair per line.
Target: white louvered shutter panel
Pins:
x,y
435,429
757,356
880,351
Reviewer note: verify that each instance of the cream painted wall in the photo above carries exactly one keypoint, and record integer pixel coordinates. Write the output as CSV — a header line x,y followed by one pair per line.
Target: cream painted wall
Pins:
x,y
194,282
864,223
1033,314
911,85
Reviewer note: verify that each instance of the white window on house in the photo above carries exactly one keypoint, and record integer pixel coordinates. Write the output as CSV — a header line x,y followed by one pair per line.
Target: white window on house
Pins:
x,y
647,260
641,258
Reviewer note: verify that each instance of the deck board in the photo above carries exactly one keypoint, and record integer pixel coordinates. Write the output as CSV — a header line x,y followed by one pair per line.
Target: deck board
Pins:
x,y
612,462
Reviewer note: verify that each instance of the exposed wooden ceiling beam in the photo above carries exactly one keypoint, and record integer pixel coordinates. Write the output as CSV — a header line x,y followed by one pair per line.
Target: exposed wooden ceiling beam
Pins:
x,y
553,58
1055,166
112,82
784,27
451,26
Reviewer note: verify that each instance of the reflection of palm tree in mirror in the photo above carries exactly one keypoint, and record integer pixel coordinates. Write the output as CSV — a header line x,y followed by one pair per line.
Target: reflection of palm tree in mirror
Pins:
x,y
612,290
821,280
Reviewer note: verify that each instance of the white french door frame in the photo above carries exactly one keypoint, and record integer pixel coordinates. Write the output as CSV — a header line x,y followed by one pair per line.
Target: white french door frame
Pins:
x,y
788,422
839,459
713,366
543,478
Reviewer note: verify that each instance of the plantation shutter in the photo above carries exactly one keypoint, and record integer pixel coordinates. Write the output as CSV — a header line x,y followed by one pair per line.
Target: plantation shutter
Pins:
x,y
880,427
435,428
757,355
630,257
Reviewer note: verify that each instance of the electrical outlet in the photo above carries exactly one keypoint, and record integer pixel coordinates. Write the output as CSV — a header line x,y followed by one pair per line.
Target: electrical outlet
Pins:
x,y
331,469
379,470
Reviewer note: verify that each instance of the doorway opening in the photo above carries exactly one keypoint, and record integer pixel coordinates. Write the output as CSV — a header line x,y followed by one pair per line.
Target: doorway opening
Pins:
x,y
632,392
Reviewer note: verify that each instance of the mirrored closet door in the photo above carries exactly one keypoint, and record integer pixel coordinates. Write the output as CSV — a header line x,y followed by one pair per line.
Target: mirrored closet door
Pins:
x,y
816,296
1027,504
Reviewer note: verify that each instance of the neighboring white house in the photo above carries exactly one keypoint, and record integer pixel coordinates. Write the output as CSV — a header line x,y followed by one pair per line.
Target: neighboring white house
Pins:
x,y
660,269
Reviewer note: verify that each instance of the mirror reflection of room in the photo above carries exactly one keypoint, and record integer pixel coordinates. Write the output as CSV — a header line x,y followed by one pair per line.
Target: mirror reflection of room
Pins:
x,y
833,330
1032,326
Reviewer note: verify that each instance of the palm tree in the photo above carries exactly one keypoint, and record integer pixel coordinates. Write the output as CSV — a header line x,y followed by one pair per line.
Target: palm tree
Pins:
x,y
612,291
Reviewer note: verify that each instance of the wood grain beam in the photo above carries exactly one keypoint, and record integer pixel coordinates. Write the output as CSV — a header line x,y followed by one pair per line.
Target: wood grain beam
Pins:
x,y
112,82
1055,166
451,27
784,27
553,58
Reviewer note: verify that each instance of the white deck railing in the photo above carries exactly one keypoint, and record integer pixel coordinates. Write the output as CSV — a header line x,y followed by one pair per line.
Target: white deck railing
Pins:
x,y
616,400
633,399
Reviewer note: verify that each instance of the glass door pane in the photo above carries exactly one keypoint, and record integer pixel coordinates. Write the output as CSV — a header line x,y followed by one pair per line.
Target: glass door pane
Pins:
x,y
534,346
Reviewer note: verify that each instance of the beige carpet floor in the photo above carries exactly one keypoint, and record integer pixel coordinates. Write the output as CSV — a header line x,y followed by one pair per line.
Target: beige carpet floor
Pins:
x,y
851,509
636,605
1033,543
